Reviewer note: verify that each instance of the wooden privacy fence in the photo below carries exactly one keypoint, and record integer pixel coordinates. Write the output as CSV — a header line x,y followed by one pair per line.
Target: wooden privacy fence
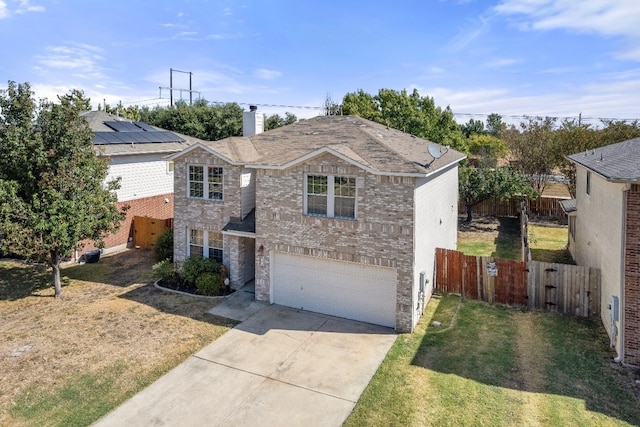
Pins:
x,y
563,288
542,206
146,230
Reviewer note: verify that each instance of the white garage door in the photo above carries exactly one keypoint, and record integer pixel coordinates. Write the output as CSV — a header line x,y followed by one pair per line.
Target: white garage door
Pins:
x,y
344,289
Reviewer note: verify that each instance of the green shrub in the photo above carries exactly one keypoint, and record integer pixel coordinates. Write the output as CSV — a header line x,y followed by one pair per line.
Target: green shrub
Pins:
x,y
166,271
194,267
209,284
163,249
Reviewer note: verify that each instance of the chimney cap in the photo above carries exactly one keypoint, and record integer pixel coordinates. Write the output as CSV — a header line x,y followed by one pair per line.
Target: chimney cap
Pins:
x,y
253,108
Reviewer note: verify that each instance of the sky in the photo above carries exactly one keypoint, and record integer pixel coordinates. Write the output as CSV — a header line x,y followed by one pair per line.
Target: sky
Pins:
x,y
517,58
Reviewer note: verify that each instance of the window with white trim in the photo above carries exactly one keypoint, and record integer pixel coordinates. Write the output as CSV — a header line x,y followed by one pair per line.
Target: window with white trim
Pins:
x,y
331,196
206,182
214,244
206,244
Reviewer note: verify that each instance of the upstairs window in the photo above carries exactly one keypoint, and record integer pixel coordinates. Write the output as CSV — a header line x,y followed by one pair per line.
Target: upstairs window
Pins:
x,y
331,196
210,187
588,186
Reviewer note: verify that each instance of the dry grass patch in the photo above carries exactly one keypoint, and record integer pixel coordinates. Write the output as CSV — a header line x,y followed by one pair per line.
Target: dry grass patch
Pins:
x,y
112,333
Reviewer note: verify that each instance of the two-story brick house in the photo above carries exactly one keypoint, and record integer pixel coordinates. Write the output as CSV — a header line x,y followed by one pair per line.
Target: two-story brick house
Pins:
x,y
334,214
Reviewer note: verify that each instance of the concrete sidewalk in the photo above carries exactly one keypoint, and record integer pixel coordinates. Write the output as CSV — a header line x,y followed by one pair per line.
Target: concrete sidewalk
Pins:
x,y
279,367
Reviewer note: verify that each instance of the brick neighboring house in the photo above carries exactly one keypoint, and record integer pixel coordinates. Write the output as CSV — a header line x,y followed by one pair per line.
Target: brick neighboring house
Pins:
x,y
137,154
334,214
604,232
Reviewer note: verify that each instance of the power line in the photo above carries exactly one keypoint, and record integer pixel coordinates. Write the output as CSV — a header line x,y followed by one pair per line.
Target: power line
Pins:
x,y
320,108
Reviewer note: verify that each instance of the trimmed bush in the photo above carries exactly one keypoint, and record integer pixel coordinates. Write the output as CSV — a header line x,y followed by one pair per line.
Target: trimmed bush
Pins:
x,y
194,267
166,271
163,249
209,284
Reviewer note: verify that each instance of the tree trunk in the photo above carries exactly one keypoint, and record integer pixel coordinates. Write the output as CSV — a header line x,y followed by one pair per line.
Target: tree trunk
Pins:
x,y
469,213
55,266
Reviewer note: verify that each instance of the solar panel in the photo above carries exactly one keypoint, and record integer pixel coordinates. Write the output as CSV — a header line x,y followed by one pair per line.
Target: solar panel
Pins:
x,y
140,137
144,126
122,126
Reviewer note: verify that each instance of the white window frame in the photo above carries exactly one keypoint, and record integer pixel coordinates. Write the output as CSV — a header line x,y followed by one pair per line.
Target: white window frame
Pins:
x,y
206,242
207,186
331,196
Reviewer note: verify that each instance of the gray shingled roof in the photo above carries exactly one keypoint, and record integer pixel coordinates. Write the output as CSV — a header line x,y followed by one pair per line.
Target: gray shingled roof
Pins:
x,y
615,162
568,205
367,143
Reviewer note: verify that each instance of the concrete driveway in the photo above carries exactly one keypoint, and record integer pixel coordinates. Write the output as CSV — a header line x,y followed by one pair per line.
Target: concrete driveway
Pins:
x,y
279,367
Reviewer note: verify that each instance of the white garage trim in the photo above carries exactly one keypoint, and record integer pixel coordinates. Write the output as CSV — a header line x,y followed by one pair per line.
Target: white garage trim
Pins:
x,y
345,289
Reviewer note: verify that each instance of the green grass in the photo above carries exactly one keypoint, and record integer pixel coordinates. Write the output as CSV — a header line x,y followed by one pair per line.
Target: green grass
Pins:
x,y
486,371
549,243
505,246
79,402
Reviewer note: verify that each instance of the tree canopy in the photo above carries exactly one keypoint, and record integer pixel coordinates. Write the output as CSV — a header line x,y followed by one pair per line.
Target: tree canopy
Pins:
x,y
210,122
408,112
479,184
53,188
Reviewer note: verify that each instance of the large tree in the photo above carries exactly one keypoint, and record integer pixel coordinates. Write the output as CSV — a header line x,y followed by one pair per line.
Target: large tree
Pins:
x,y
479,184
210,122
408,112
53,188
533,147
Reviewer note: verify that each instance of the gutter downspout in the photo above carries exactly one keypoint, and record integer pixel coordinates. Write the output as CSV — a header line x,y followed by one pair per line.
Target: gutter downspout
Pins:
x,y
623,266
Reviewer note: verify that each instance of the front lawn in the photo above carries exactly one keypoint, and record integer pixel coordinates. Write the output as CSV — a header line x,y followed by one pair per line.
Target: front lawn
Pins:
x,y
69,361
496,366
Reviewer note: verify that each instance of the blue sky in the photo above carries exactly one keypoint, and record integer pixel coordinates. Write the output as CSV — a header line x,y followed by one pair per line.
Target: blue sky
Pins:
x,y
512,57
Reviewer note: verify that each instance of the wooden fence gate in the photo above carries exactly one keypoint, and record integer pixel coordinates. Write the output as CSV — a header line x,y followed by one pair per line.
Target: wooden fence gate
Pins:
x,y
569,289
146,231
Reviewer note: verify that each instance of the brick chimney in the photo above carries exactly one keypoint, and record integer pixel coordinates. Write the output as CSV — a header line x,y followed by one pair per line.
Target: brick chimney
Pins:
x,y
252,121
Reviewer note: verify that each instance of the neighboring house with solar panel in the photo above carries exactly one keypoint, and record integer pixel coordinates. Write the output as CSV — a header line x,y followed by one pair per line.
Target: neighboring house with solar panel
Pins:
x,y
334,214
137,155
604,232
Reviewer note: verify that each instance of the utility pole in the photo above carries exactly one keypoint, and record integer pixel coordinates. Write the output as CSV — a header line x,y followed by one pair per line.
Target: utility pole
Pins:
x,y
171,88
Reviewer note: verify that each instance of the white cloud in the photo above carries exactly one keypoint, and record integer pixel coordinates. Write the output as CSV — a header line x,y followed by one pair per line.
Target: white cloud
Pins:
x,y
266,74
4,11
468,34
26,6
613,97
83,59
618,18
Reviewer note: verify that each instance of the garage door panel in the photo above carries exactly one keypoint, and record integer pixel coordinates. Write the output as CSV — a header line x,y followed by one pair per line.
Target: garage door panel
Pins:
x,y
351,290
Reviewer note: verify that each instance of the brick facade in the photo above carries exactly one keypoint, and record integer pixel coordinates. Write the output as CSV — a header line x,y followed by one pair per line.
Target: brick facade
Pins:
x,y
631,299
382,235
203,214
160,207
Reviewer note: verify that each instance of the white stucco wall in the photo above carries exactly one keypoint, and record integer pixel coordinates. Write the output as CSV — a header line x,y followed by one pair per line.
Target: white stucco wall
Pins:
x,y
142,176
436,224
599,235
